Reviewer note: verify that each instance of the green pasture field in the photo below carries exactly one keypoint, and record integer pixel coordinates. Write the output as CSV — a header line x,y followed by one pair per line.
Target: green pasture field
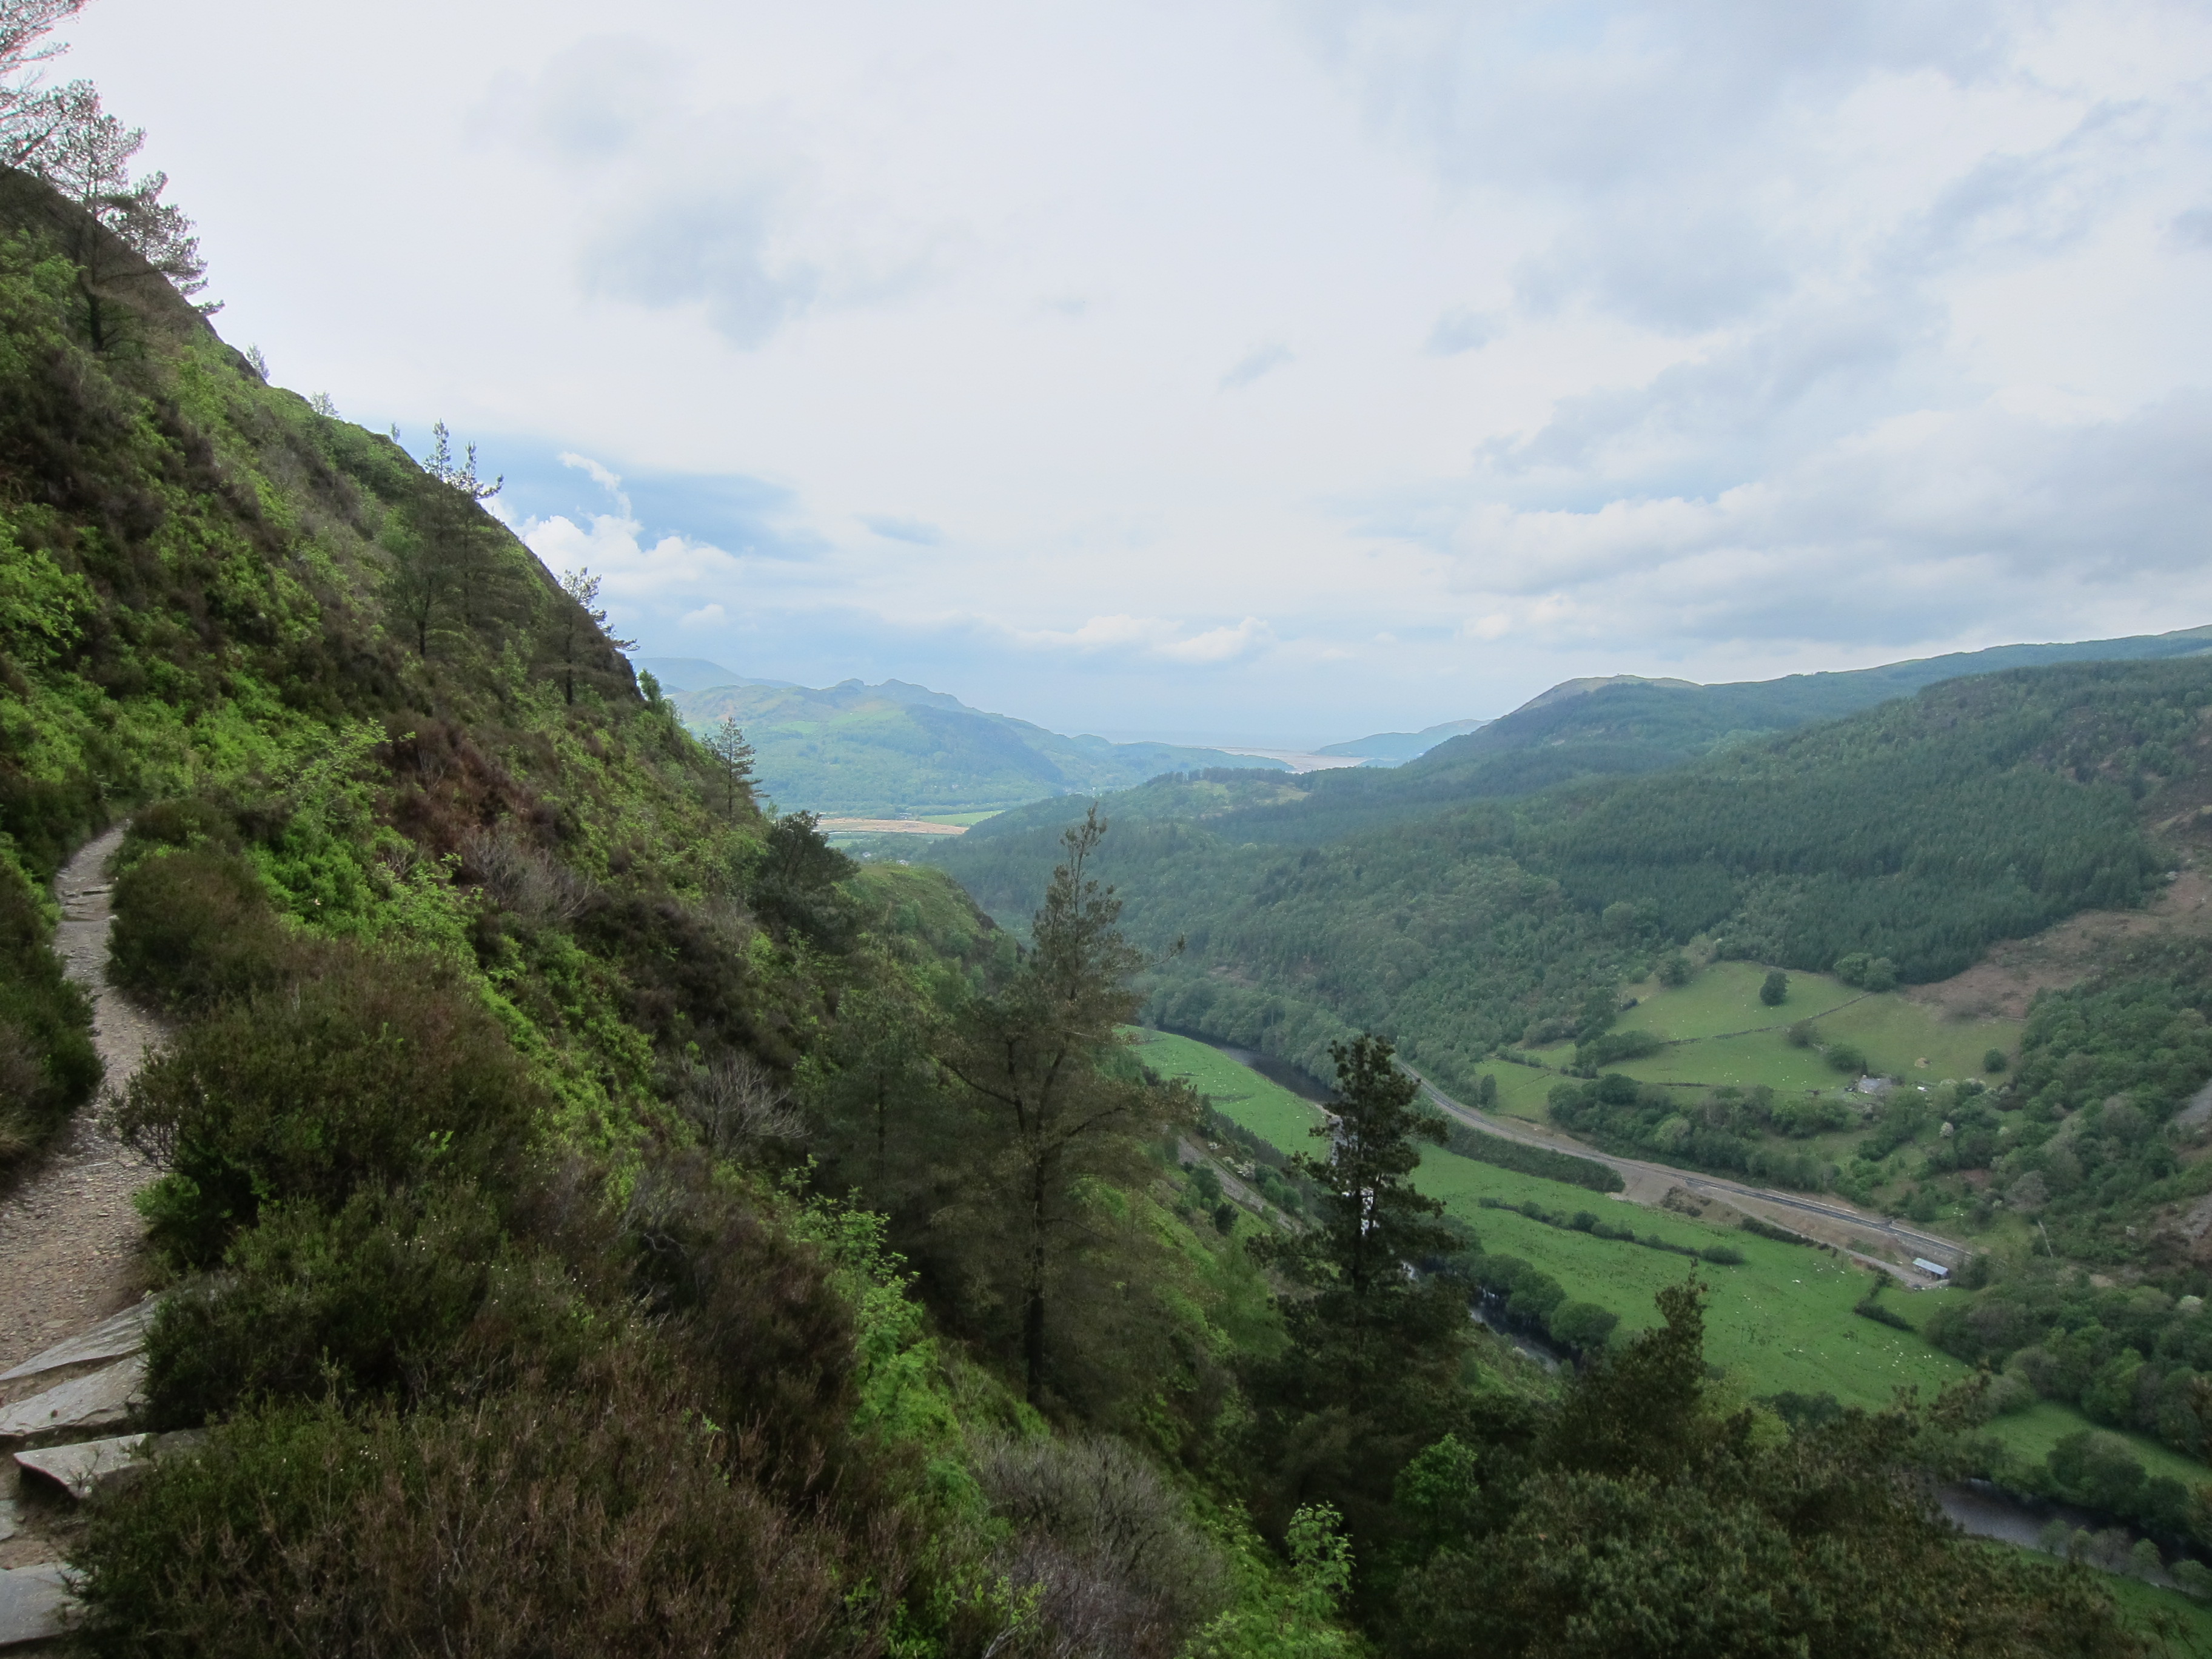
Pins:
x,y
1781,1322
965,820
2139,1601
1722,1034
1522,1091
1239,1093
2030,1435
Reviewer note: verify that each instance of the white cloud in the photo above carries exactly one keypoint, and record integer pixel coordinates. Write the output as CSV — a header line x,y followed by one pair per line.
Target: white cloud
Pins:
x,y
1690,336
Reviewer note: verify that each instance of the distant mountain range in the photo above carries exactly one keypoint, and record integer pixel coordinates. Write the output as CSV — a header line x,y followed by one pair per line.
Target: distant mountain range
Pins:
x,y
896,750
1394,748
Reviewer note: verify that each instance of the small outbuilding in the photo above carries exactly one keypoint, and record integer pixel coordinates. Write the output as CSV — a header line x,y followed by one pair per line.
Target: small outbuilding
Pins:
x,y
1935,1268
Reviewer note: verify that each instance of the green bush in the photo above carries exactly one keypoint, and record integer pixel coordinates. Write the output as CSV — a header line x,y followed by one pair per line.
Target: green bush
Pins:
x,y
1774,989
378,1070
1583,1326
195,928
48,1067
616,1517
1994,1061
404,1296
1843,1057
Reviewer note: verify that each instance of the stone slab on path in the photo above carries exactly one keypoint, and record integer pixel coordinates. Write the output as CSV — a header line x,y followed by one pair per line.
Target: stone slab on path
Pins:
x,y
101,1400
82,1468
112,1338
34,1604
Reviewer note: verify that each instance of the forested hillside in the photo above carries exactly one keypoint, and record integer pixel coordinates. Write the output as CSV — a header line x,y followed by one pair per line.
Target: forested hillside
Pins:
x,y
1920,831
895,750
1623,725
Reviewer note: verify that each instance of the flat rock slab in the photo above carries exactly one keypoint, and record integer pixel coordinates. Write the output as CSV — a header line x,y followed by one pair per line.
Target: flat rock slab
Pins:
x,y
34,1604
112,1338
101,1400
79,1468
11,1522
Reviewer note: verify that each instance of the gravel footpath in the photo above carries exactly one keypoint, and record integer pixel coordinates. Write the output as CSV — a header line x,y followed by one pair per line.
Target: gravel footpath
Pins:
x,y
69,1239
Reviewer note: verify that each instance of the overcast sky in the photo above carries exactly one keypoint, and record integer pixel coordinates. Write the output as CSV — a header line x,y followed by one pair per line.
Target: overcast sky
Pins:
x,y
1279,372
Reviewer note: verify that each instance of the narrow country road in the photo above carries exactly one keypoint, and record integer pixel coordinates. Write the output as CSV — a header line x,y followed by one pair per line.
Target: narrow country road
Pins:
x,y
68,1232
1876,1229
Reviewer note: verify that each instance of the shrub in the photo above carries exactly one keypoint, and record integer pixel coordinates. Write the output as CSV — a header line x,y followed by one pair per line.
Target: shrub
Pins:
x,y
1994,1061
195,928
402,1296
1799,1036
48,1067
1843,1057
1675,970
613,1518
1774,989
1104,1544
379,1070
751,1311
1583,1326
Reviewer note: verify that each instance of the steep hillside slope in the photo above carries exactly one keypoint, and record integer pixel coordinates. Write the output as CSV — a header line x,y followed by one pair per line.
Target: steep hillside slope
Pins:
x,y
875,750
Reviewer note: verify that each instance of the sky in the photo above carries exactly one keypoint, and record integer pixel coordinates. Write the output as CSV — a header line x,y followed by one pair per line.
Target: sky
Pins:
x,y
1259,371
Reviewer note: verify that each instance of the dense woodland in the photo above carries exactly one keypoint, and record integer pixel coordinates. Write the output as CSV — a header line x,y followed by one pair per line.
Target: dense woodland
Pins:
x,y
597,1217
1919,831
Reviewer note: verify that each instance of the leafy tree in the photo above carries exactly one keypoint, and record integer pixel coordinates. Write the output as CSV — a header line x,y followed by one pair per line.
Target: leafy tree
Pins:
x,y
1031,1062
1774,989
794,882
733,762
1994,1061
1675,970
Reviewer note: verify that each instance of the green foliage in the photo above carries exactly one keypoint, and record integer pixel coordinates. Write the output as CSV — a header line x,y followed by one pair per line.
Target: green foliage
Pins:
x,y
1774,989
47,1065
374,1070
611,1517
1642,1521
1533,1160
401,1297
196,927
1716,1133
1917,832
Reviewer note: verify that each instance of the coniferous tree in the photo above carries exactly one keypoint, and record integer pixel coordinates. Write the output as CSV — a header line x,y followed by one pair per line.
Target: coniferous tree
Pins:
x,y
733,762
577,625
1372,1371
444,567
1031,1062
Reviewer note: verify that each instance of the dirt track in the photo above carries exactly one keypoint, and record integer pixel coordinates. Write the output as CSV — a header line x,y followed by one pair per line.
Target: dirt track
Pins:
x,y
68,1233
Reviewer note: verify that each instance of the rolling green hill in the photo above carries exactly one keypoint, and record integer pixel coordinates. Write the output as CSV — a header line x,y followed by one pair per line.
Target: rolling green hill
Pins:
x,y
895,749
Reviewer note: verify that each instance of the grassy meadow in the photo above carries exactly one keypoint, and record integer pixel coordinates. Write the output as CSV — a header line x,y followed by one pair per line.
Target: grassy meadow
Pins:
x,y
1260,1104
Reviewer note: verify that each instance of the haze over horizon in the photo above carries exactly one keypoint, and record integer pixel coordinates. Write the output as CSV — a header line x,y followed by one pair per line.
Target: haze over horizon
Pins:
x,y
1278,374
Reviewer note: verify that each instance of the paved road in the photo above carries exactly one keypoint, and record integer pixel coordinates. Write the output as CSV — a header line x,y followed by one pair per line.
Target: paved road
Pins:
x,y
1949,1252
